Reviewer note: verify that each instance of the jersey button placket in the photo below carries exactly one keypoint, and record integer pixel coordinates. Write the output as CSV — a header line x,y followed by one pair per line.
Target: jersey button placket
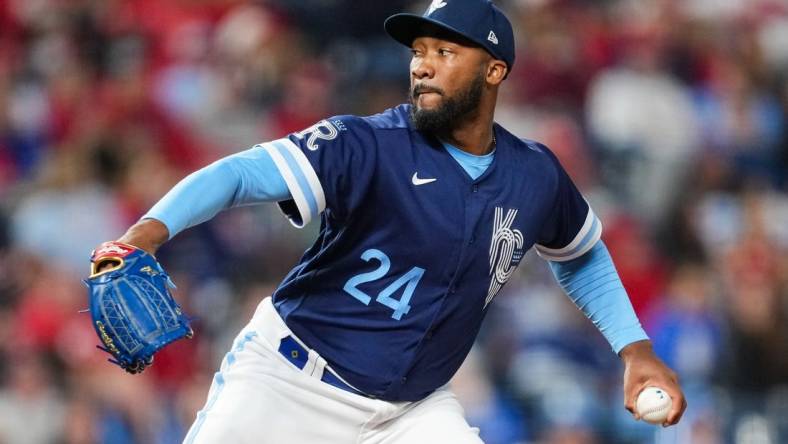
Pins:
x,y
475,189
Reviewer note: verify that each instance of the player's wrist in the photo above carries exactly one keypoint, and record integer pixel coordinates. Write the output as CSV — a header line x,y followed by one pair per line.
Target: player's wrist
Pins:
x,y
642,348
147,234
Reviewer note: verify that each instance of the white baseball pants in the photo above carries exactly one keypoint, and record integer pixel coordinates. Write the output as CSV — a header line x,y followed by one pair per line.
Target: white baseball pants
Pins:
x,y
258,396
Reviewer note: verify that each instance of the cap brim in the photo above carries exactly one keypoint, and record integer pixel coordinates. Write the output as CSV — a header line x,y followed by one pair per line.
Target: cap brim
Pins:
x,y
405,28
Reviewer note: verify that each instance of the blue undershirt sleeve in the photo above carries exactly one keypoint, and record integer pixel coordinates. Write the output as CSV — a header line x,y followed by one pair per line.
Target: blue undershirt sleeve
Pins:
x,y
593,284
245,178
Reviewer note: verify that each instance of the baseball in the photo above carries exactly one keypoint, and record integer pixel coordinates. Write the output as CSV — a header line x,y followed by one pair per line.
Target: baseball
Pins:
x,y
653,405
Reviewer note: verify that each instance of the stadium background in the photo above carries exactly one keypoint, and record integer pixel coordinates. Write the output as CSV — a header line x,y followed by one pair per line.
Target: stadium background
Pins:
x,y
671,115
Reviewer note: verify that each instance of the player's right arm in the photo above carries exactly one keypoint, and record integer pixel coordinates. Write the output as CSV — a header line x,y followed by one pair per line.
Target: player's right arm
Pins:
x,y
245,178
328,165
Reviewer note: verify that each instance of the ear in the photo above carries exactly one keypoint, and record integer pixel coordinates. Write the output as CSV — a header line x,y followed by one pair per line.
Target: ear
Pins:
x,y
496,71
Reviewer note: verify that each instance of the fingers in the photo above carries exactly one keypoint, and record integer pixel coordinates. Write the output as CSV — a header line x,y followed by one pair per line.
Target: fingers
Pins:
x,y
677,409
629,403
671,387
643,371
679,402
108,263
632,388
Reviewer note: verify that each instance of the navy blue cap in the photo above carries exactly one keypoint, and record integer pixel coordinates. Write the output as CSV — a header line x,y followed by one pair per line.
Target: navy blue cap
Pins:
x,y
479,21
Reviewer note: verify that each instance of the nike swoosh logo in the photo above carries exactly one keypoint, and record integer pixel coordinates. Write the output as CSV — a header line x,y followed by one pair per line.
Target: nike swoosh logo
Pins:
x,y
418,181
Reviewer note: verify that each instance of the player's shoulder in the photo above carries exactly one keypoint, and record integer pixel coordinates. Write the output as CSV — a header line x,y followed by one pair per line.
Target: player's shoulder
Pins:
x,y
532,150
392,118
539,150
353,131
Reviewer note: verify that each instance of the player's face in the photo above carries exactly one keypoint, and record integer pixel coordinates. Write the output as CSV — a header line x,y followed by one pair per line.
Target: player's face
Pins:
x,y
447,82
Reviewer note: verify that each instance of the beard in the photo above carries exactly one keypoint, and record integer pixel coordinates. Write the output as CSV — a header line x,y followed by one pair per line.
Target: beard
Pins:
x,y
451,112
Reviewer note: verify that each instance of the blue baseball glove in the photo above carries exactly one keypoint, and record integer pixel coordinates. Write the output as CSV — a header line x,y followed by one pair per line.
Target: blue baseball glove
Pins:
x,y
133,311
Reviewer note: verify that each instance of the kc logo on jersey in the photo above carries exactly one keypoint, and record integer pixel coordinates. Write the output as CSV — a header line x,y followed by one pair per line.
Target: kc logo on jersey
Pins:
x,y
506,251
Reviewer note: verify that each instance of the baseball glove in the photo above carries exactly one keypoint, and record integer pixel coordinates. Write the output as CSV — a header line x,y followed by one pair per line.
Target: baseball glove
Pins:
x,y
133,311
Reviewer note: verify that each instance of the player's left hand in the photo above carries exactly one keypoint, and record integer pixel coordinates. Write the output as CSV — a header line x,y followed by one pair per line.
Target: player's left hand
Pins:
x,y
642,368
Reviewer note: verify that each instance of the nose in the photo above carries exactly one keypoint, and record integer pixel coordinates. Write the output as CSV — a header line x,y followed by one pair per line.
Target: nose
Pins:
x,y
421,68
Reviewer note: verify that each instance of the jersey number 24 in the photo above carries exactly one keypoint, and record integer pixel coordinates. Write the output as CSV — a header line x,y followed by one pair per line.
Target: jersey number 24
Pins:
x,y
410,280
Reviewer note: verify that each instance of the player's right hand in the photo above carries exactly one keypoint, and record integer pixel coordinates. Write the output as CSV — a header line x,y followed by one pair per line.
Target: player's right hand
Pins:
x,y
644,369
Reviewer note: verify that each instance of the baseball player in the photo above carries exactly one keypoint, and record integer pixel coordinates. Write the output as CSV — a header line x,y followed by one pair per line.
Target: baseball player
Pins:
x,y
425,212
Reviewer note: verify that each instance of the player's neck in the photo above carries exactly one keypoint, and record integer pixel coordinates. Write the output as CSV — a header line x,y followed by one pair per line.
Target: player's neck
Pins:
x,y
477,139
475,135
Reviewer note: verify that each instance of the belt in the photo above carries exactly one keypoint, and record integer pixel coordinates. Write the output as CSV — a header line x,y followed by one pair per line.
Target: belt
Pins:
x,y
267,322
299,356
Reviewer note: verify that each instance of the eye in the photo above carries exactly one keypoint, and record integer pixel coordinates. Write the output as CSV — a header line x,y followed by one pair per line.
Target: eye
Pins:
x,y
415,52
444,51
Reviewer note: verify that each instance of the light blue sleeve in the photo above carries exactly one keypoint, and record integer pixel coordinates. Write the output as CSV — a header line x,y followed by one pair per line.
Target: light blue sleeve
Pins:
x,y
245,178
593,284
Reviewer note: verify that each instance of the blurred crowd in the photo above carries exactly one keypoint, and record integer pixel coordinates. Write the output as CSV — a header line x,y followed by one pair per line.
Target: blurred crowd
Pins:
x,y
670,115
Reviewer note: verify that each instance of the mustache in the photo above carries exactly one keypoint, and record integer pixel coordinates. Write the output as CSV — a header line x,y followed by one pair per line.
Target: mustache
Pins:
x,y
421,89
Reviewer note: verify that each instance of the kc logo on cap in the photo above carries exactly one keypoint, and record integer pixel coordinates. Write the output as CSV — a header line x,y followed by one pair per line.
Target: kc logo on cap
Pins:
x,y
436,4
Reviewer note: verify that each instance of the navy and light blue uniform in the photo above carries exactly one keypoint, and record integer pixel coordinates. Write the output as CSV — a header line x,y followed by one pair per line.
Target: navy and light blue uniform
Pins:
x,y
416,239
411,249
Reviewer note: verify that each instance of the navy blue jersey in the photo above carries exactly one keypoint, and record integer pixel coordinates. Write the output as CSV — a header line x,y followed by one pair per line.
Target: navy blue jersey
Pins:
x,y
411,250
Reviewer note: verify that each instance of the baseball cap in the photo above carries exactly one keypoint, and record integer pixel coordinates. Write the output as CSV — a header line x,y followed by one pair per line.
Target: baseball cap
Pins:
x,y
479,21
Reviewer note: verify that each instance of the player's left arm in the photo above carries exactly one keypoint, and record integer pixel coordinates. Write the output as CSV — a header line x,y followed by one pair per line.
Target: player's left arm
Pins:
x,y
593,284
571,241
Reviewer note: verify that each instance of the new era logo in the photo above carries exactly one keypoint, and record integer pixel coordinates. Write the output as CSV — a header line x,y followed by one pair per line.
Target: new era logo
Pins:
x,y
493,38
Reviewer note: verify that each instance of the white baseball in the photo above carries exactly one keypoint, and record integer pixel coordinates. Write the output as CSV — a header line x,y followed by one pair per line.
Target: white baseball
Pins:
x,y
653,405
